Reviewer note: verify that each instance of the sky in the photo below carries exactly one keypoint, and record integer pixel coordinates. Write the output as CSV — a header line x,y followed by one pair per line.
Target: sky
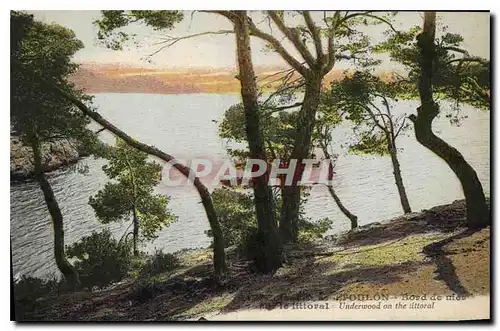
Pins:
x,y
218,51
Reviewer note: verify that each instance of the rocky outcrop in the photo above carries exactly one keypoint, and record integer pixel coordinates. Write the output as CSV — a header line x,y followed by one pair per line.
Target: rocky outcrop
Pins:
x,y
54,155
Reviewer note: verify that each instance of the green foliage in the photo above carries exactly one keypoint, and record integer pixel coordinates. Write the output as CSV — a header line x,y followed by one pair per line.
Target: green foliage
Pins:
x,y
458,76
157,263
112,22
400,46
351,43
375,144
43,50
27,290
133,188
277,130
313,231
356,94
102,260
366,100
232,126
236,214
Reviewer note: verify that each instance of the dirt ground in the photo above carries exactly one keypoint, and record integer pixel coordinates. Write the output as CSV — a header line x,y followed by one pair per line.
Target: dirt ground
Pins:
x,y
430,252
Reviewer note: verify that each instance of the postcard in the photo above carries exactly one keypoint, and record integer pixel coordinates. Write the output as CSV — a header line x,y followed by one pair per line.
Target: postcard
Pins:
x,y
233,165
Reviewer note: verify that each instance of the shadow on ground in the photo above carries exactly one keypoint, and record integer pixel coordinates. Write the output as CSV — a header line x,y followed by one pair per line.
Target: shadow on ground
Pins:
x,y
445,218
426,252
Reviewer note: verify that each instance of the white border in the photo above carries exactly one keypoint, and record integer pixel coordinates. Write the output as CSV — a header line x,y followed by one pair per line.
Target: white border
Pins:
x,y
187,5
258,5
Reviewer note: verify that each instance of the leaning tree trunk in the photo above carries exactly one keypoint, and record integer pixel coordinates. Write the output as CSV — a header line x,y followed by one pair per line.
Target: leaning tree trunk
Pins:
x,y
135,236
270,258
353,218
477,209
219,254
291,194
391,145
64,266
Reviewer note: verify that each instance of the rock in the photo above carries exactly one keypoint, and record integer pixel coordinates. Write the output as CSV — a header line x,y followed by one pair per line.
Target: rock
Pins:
x,y
54,155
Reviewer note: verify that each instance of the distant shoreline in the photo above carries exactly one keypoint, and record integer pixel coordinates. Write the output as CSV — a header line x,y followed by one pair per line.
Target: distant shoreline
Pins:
x,y
160,93
94,78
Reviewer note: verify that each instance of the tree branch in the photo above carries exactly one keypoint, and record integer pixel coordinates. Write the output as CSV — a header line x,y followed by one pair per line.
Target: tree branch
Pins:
x,y
315,34
469,59
272,41
277,109
331,36
368,14
148,149
286,72
100,130
348,16
400,128
456,49
293,37
170,41
286,78
380,113
289,87
375,121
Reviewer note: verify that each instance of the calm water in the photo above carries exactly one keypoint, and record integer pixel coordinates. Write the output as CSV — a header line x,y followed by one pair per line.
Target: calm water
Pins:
x,y
182,125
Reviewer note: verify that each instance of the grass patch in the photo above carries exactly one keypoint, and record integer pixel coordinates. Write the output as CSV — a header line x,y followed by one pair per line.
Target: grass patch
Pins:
x,y
400,251
194,257
210,305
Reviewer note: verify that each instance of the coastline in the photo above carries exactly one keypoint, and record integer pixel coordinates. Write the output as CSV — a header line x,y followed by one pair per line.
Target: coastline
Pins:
x,y
55,155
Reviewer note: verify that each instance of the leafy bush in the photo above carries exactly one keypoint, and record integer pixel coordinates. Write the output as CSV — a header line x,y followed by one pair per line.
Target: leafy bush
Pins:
x,y
27,290
158,263
102,260
236,214
309,231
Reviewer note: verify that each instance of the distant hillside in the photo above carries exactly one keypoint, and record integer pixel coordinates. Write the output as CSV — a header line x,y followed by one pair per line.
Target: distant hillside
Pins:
x,y
114,78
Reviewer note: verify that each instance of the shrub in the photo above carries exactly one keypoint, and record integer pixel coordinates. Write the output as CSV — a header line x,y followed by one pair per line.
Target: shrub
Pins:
x,y
102,260
236,213
158,263
309,231
27,290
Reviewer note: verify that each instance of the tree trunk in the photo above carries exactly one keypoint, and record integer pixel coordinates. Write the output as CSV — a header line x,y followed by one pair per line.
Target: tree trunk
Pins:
x,y
135,232
391,145
64,266
345,211
478,214
219,254
264,204
353,218
291,194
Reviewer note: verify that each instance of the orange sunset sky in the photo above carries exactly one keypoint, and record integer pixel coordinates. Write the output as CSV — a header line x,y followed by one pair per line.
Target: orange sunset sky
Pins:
x,y
207,63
